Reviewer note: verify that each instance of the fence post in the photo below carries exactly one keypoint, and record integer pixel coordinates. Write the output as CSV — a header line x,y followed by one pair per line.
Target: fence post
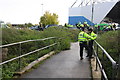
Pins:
x,y
114,66
96,58
103,60
36,46
20,58
56,46
118,75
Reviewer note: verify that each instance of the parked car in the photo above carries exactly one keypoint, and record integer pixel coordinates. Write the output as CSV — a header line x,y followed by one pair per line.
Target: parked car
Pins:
x,y
36,28
118,27
51,25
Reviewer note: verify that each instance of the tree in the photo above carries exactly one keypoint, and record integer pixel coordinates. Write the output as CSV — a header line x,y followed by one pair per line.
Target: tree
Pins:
x,y
49,18
28,24
9,24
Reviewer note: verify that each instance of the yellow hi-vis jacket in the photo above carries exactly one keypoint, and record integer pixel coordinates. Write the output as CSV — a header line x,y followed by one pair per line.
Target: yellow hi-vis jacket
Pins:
x,y
92,34
81,25
83,36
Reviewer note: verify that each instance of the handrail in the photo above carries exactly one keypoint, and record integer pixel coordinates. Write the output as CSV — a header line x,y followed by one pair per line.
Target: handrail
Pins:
x,y
109,57
100,65
20,56
114,64
27,54
25,42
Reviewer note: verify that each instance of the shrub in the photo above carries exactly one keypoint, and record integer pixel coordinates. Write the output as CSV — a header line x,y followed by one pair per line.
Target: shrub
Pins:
x,y
110,42
13,35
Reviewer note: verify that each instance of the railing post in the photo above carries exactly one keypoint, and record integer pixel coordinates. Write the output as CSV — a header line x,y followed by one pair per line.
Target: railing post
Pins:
x,y
103,60
56,47
49,44
118,74
114,66
36,46
19,55
102,77
0,65
96,58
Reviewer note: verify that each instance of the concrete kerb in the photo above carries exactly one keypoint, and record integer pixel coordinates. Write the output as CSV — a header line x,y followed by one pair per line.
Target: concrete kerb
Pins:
x,y
95,74
34,63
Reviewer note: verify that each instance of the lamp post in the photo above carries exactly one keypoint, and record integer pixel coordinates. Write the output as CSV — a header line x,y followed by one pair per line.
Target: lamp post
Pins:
x,y
92,18
42,8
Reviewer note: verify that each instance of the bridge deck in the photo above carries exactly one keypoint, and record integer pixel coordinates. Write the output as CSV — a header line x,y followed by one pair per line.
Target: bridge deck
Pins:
x,y
66,64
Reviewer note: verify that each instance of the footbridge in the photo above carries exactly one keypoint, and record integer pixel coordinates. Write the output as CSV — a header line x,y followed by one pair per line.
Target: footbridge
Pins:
x,y
53,64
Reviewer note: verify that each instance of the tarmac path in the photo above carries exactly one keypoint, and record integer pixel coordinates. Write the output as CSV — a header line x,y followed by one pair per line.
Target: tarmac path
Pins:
x,y
66,64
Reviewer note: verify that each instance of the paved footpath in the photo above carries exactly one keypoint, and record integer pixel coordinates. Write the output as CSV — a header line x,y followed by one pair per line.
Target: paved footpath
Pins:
x,y
66,64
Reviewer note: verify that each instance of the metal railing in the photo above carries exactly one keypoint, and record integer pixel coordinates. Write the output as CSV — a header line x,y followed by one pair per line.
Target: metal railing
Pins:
x,y
26,54
101,62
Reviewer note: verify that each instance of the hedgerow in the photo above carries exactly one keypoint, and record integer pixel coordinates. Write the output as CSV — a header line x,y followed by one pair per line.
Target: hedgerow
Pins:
x,y
110,42
64,37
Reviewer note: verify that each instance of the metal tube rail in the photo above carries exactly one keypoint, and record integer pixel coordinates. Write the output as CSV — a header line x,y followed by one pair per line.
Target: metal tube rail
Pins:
x,y
104,52
102,70
109,57
26,54
26,41
100,65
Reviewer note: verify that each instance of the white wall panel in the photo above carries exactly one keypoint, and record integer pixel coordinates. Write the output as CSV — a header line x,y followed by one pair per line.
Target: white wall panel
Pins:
x,y
100,11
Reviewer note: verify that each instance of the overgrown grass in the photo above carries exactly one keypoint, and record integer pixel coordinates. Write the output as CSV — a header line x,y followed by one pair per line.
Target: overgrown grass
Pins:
x,y
110,42
14,35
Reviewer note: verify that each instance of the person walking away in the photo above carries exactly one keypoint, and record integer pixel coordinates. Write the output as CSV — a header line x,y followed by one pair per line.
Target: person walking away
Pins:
x,y
83,38
90,42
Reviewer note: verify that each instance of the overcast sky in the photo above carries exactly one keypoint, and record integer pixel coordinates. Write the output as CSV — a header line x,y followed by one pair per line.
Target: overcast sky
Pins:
x,y
24,11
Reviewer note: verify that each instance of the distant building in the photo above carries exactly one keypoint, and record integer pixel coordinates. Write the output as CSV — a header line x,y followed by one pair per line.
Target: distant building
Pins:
x,y
114,14
94,13
3,25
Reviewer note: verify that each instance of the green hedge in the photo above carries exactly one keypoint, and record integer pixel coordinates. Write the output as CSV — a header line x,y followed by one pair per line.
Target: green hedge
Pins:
x,y
13,35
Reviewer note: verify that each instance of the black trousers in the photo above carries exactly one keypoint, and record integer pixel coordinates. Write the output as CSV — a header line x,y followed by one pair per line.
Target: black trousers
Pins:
x,y
90,46
82,46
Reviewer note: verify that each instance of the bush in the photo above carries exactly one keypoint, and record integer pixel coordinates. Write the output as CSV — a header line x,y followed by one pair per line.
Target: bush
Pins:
x,y
110,42
13,35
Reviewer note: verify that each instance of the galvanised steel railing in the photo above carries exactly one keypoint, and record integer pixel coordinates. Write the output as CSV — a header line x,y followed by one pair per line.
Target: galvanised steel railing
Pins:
x,y
101,62
26,54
